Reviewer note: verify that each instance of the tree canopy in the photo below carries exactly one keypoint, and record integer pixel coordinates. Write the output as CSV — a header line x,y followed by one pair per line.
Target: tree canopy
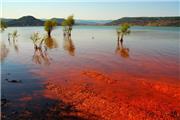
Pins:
x,y
49,25
69,21
124,29
3,26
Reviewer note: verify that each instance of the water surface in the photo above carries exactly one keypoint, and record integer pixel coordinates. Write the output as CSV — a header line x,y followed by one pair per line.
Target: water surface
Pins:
x,y
143,73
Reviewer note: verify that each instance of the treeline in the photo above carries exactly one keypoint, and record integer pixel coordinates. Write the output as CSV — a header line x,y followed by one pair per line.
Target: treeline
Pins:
x,y
148,21
139,21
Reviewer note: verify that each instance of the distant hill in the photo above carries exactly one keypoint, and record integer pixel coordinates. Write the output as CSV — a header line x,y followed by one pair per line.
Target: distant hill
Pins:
x,y
32,21
91,22
28,21
140,21
148,21
25,21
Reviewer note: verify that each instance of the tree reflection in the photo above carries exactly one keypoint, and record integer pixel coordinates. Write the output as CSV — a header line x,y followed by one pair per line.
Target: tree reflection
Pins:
x,y
15,45
50,42
4,51
69,45
40,53
13,36
9,38
41,56
121,50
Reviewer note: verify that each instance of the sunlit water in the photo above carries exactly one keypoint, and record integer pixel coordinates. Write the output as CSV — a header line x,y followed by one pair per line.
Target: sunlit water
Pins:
x,y
152,54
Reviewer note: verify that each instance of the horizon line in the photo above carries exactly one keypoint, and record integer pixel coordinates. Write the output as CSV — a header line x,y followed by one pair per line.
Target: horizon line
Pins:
x,y
87,19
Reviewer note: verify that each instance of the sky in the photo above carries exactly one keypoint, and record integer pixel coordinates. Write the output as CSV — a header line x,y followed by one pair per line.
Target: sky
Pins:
x,y
89,9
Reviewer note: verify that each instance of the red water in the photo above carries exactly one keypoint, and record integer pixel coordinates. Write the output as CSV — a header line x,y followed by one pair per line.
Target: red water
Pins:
x,y
117,94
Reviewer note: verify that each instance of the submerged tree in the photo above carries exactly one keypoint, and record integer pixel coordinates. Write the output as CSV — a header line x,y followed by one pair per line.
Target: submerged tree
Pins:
x,y
123,30
3,25
36,38
68,23
14,35
49,26
40,55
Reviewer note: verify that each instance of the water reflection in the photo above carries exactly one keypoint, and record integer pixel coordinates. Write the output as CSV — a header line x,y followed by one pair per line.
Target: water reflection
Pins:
x,y
12,38
50,42
15,45
122,50
69,45
4,50
41,53
14,35
41,56
9,38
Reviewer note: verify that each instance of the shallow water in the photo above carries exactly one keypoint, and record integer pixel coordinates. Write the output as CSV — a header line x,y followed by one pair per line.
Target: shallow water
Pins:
x,y
150,57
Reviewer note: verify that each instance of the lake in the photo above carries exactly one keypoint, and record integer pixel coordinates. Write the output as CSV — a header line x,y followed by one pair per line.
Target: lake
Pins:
x,y
91,76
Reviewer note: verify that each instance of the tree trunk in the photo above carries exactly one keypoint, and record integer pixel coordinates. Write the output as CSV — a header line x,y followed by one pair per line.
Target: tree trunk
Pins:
x,y
69,32
35,47
122,38
118,34
118,42
49,33
118,37
122,44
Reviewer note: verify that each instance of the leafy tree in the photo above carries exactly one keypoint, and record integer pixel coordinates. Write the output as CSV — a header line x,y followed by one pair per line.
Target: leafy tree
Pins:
x,y
3,25
49,26
123,30
68,23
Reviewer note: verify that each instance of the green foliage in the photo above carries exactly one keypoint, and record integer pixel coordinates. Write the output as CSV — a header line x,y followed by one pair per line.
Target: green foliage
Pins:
x,y
69,21
49,25
3,26
64,23
124,29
